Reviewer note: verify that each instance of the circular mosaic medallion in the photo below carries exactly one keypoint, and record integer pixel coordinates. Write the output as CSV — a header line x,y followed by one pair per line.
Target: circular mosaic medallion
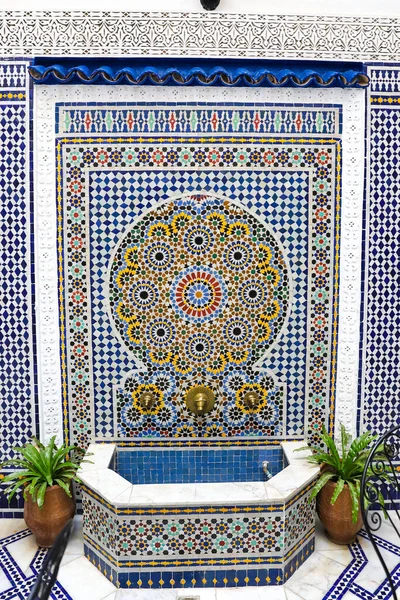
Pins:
x,y
199,347
158,256
198,239
198,284
198,294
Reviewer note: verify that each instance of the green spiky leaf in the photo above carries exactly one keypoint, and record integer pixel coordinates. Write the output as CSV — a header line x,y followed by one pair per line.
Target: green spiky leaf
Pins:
x,y
319,484
338,490
355,501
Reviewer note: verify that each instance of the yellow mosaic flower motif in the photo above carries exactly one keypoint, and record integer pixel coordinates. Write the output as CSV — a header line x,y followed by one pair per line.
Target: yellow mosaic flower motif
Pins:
x,y
179,220
272,275
217,219
237,357
185,430
125,277
266,253
265,333
238,228
273,311
125,313
131,257
218,366
159,229
134,332
214,430
162,359
180,365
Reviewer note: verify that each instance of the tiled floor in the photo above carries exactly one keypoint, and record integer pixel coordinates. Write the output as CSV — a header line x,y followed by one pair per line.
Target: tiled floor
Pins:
x,y
331,573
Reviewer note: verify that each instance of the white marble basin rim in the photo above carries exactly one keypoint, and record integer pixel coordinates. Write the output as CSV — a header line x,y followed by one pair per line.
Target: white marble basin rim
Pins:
x,y
116,490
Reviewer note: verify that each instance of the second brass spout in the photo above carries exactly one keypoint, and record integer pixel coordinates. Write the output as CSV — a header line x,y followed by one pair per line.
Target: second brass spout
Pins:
x,y
147,400
251,400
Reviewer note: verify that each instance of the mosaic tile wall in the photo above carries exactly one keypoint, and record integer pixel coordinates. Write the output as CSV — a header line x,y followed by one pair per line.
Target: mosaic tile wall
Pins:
x,y
381,355
203,546
265,215
378,389
18,411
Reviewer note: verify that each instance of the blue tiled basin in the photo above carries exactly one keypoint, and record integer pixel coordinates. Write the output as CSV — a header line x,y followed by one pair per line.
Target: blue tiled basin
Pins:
x,y
198,465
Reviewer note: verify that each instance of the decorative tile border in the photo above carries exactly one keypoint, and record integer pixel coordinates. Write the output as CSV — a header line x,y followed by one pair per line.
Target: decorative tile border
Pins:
x,y
96,33
346,584
314,156
21,581
95,118
384,79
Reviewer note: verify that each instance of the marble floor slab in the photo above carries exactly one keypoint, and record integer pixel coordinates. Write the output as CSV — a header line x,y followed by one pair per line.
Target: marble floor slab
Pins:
x,y
331,573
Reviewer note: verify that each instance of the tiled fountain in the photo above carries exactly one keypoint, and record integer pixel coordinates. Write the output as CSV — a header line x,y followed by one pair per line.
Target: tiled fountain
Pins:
x,y
198,291
220,534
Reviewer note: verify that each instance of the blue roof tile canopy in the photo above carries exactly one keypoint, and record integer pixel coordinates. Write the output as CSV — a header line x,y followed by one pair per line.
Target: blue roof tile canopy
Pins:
x,y
198,71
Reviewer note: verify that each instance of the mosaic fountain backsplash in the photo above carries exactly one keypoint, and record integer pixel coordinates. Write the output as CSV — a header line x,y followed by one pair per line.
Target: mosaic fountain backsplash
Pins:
x,y
205,260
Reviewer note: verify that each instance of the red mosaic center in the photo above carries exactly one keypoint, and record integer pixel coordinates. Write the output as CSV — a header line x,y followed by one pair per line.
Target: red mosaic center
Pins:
x,y
198,294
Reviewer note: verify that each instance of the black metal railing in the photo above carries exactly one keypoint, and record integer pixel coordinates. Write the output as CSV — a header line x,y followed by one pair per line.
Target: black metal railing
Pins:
x,y
48,573
380,485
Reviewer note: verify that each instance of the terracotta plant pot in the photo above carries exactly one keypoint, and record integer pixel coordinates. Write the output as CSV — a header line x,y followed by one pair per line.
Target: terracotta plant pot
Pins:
x,y
47,522
336,518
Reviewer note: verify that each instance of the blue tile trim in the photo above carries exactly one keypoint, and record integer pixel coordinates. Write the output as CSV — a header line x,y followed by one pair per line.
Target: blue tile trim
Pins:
x,y
381,368
18,348
341,585
172,579
198,71
147,578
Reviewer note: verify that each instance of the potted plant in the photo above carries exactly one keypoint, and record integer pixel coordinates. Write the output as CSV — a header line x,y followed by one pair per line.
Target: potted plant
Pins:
x,y
338,488
45,474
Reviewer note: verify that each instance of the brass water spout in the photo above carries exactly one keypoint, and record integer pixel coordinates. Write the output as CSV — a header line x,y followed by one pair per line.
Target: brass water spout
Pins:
x,y
147,400
200,400
251,400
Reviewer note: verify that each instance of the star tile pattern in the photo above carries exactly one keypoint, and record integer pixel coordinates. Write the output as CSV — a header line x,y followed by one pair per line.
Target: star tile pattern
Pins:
x,y
17,392
382,309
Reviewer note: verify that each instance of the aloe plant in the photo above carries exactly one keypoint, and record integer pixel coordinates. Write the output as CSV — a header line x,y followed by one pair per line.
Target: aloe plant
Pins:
x,y
41,467
344,467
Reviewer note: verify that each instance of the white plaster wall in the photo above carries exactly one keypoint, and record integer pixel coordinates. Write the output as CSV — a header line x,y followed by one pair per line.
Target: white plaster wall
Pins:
x,y
384,8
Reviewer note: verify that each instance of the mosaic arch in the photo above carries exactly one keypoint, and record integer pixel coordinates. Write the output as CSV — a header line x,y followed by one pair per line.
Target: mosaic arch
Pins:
x,y
199,291
109,184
